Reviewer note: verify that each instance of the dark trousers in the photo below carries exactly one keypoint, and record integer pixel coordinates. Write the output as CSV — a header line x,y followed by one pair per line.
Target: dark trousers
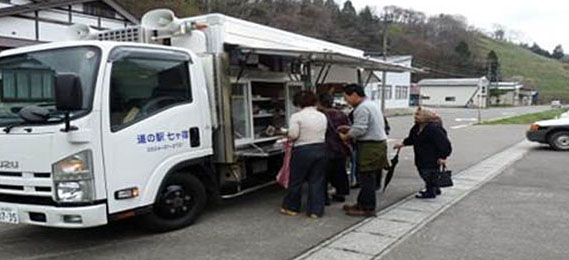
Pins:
x,y
367,196
308,163
337,175
429,176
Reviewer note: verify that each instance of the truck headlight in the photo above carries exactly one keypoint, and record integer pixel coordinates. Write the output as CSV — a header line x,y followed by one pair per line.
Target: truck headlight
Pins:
x,y
73,178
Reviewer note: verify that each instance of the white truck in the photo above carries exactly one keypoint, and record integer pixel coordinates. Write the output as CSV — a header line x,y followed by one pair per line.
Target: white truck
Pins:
x,y
126,125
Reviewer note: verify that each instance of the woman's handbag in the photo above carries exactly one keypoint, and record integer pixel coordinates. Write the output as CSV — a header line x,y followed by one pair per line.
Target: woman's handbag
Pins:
x,y
445,178
284,173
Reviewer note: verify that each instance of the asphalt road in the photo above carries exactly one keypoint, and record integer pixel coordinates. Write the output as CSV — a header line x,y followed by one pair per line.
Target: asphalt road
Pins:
x,y
250,227
521,214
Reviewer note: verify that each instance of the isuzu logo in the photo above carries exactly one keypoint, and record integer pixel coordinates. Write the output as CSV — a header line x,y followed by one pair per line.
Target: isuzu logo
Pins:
x,y
9,165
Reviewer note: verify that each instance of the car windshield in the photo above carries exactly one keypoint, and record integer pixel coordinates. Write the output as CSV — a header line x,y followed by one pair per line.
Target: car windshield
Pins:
x,y
29,79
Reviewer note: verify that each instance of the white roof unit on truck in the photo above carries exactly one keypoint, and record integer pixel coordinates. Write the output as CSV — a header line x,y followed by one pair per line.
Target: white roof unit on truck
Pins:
x,y
98,131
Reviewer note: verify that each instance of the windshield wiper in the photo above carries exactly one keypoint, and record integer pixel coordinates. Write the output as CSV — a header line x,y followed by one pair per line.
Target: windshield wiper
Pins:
x,y
8,128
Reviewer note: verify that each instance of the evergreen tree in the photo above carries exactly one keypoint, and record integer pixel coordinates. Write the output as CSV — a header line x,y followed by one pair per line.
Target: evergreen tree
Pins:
x,y
493,67
332,6
558,52
463,51
349,9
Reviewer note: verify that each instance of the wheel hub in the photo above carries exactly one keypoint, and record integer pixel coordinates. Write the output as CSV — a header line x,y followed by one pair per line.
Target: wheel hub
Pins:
x,y
174,202
563,141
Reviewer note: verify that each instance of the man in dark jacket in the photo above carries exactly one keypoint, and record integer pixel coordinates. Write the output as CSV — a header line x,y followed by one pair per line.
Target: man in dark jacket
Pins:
x,y
431,146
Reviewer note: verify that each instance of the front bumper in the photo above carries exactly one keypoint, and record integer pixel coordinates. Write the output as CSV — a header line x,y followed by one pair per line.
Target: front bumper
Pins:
x,y
537,136
91,216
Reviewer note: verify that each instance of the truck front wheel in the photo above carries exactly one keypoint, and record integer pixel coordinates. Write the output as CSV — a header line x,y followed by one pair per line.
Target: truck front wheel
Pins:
x,y
560,141
180,201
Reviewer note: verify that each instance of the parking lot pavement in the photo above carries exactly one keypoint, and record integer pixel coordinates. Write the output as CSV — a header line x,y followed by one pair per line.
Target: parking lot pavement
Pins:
x,y
520,214
375,237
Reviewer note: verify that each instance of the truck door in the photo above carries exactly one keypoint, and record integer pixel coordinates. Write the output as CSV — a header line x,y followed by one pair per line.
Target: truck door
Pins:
x,y
152,120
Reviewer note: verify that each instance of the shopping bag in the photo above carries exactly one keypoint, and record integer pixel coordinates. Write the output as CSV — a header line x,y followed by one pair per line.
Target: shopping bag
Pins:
x,y
445,178
284,173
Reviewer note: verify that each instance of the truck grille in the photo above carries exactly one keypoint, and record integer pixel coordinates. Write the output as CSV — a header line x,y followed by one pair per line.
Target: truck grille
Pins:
x,y
26,184
130,34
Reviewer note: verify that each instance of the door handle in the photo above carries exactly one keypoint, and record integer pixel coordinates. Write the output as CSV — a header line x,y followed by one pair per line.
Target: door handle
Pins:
x,y
194,137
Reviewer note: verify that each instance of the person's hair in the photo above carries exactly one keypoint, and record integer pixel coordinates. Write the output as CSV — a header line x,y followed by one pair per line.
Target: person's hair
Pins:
x,y
354,88
304,99
428,116
326,100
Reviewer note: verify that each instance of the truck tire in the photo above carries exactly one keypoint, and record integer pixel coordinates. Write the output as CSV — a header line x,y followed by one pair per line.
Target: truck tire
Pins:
x,y
559,141
179,203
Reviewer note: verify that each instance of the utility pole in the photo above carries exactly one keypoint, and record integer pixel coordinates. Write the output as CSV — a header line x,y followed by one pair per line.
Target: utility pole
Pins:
x,y
386,24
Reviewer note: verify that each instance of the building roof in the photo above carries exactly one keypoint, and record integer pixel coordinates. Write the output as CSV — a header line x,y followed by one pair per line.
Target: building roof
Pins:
x,y
451,82
38,5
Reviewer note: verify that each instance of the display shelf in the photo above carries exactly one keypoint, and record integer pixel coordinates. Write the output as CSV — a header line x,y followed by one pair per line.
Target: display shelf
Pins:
x,y
260,99
263,115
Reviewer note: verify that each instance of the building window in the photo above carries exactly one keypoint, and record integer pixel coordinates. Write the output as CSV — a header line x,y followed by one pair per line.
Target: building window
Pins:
x,y
98,9
388,94
401,92
450,99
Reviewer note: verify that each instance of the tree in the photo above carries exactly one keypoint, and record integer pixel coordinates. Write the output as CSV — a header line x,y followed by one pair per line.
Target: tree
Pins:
x,y
332,6
349,9
462,50
558,52
538,50
493,67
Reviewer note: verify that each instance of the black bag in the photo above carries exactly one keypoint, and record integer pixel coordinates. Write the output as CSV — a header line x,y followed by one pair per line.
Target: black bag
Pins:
x,y
445,178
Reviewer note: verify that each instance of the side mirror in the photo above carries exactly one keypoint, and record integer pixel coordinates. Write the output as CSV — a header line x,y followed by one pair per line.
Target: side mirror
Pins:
x,y
68,93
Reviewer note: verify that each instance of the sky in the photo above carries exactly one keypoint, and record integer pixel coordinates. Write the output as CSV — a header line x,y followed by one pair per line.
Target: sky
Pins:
x,y
544,22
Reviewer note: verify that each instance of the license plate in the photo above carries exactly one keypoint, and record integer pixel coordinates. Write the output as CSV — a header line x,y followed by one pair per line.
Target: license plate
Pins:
x,y
9,215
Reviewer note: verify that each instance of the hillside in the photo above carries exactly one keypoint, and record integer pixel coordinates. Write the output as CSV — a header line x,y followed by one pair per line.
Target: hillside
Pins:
x,y
550,77
443,44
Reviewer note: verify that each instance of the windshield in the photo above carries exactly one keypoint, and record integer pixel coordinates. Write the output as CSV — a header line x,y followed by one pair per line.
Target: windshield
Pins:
x,y
29,79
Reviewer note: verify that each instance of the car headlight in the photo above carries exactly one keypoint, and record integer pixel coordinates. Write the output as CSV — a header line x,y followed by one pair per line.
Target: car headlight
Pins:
x,y
533,127
73,178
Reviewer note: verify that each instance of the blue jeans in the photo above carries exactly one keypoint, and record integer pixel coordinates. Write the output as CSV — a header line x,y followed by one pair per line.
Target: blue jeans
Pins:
x,y
308,163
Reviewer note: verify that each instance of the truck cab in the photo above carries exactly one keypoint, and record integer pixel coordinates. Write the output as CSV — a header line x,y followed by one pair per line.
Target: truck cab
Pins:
x,y
137,120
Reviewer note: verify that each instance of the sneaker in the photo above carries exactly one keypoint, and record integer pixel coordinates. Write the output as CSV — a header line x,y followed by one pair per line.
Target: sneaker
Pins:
x,y
360,213
425,196
313,216
287,212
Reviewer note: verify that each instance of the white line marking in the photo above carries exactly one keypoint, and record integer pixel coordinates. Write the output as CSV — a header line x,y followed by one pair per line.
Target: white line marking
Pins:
x,y
465,119
459,126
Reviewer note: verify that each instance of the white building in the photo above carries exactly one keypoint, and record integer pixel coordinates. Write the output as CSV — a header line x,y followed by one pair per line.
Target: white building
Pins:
x,y
25,22
397,85
470,92
507,93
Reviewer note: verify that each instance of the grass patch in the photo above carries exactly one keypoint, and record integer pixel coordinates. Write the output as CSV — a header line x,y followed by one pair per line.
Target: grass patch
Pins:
x,y
528,118
550,77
